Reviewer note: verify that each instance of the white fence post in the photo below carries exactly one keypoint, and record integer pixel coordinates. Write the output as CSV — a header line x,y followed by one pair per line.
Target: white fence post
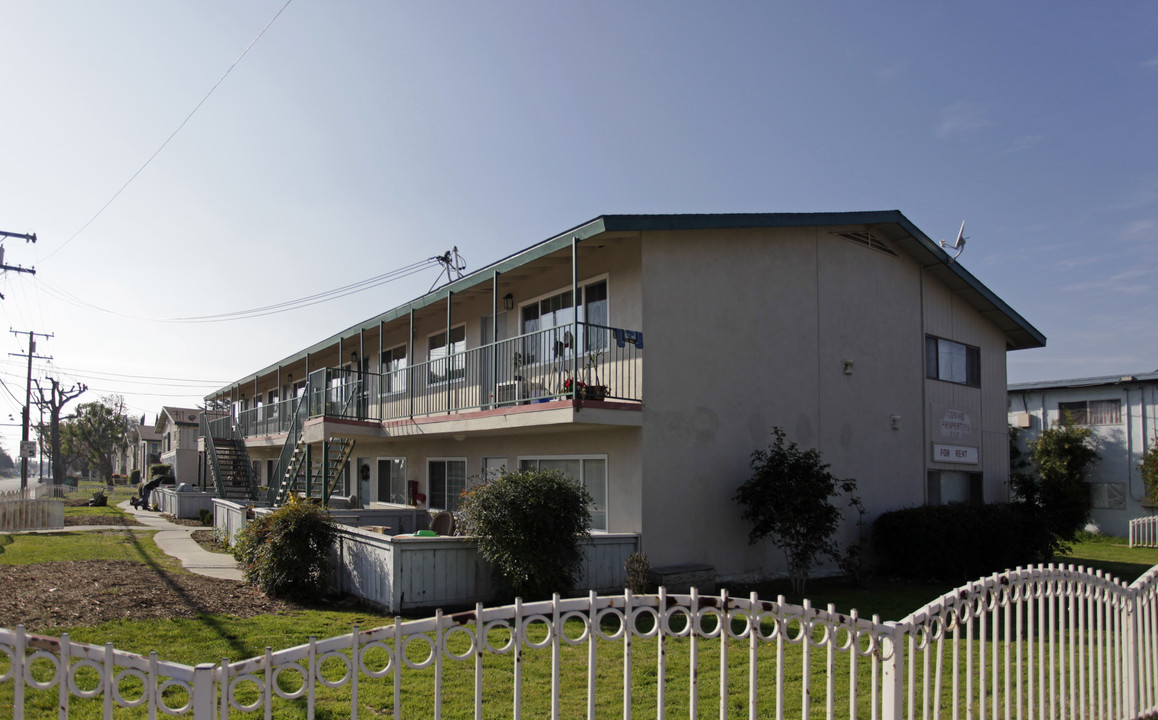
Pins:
x,y
893,673
202,698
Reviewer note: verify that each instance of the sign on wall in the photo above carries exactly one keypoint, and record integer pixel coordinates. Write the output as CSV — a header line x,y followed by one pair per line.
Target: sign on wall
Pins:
x,y
955,438
955,454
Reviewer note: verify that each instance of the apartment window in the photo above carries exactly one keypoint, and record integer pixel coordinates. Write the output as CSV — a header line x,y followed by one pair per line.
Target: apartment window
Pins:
x,y
952,362
954,486
557,312
447,363
446,478
393,370
591,471
1092,412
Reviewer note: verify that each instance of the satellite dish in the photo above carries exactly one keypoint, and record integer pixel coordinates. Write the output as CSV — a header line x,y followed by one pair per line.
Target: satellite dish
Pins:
x,y
959,244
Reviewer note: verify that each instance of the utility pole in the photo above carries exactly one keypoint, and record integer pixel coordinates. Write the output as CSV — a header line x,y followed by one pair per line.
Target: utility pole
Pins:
x,y
15,268
27,397
56,400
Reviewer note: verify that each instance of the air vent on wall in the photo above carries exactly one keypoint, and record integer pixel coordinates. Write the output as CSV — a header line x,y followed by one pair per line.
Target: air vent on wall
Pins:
x,y
866,239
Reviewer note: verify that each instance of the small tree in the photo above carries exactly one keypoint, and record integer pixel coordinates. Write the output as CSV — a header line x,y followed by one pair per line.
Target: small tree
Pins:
x,y
286,553
1056,492
789,498
1149,470
530,526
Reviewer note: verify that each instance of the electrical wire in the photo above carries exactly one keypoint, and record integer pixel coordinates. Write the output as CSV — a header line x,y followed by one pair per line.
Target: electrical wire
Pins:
x,y
285,306
172,135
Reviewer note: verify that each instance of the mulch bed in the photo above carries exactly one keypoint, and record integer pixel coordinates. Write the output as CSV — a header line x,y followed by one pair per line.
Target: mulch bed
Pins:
x,y
55,595
118,520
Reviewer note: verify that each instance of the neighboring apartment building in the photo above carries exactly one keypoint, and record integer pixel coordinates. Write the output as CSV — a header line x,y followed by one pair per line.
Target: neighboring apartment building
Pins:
x,y
1120,410
145,449
688,337
177,429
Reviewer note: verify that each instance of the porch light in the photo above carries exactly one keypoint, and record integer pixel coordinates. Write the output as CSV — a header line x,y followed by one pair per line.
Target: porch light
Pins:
x,y
508,302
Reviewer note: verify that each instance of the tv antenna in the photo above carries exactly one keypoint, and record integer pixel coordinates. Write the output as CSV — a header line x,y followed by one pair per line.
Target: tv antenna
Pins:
x,y
959,244
452,266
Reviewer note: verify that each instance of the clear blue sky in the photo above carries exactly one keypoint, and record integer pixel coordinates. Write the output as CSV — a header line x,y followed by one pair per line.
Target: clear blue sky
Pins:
x,y
358,137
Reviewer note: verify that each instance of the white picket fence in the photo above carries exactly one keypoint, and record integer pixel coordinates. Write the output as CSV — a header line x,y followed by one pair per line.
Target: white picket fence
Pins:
x,y
27,510
1044,642
1144,531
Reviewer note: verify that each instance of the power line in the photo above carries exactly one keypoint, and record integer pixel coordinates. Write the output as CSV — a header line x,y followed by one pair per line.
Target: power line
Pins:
x,y
172,135
285,306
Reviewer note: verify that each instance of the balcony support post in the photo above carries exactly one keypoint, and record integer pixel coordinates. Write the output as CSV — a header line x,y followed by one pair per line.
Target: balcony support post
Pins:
x,y
575,316
494,338
449,295
410,366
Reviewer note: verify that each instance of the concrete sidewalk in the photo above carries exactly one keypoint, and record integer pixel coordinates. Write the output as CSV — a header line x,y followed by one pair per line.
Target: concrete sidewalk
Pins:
x,y
177,541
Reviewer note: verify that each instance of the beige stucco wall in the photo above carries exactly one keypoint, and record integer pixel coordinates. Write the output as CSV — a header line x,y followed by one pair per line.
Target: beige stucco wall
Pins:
x,y
719,374
950,317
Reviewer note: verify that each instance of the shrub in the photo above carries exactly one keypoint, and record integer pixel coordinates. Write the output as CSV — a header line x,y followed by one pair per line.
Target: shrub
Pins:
x,y
205,515
1149,470
1057,491
530,527
286,553
135,477
156,469
789,498
958,542
637,568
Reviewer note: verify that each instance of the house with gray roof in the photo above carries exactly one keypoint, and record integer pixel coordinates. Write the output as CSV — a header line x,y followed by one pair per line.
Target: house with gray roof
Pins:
x,y
1121,412
648,356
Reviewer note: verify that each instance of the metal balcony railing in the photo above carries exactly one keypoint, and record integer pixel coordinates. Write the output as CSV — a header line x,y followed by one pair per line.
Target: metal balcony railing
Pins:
x,y
603,363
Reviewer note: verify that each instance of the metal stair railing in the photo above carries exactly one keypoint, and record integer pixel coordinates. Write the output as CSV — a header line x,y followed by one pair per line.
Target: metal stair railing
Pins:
x,y
335,466
292,438
246,465
211,455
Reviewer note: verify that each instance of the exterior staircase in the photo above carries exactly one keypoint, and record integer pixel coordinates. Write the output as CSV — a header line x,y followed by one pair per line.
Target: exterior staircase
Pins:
x,y
228,460
325,469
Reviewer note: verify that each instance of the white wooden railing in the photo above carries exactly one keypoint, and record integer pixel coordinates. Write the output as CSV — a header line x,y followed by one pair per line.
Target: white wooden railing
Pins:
x,y
1144,531
20,511
1044,642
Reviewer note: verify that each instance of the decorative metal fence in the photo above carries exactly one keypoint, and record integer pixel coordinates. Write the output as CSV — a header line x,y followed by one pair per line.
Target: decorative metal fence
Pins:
x,y
1144,532
1044,642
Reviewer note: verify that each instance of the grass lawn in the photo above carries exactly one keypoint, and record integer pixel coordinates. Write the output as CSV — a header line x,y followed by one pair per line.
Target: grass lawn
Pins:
x,y
210,638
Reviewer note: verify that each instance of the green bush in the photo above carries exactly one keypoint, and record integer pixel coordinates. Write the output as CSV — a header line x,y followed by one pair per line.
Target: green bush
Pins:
x,y
958,542
205,515
1149,470
160,469
1057,491
286,553
135,477
530,526
788,498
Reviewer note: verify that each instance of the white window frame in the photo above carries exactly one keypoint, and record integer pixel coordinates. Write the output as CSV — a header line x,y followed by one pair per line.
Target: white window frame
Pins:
x,y
1086,417
430,490
430,361
606,510
485,475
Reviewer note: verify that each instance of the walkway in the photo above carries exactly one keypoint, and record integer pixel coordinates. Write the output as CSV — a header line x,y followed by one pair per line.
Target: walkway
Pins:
x,y
176,541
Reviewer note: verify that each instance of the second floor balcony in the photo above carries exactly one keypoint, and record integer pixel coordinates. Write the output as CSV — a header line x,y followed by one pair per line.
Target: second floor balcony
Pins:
x,y
581,362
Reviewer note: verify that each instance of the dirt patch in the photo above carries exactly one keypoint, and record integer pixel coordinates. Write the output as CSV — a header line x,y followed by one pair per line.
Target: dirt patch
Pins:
x,y
187,522
60,594
207,540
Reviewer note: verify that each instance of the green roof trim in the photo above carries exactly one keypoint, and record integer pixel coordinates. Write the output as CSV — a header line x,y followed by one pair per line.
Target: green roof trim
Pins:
x,y
1020,334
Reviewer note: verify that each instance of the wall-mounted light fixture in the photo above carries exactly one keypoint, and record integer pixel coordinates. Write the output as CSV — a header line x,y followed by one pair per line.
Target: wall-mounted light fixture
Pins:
x,y
895,421
508,302
848,367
